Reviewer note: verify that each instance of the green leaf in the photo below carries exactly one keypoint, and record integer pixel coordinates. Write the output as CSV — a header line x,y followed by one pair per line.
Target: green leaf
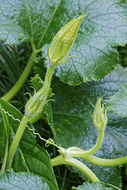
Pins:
x,y
72,118
89,186
29,157
22,181
28,19
36,82
118,102
104,28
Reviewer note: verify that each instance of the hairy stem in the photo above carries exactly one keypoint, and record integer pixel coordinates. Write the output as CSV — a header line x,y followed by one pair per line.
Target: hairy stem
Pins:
x,y
48,75
7,131
16,141
105,162
60,160
5,157
82,153
12,92
97,145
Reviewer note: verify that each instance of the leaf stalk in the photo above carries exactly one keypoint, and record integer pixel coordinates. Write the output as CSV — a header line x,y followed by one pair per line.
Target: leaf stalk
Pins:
x,y
60,160
74,152
12,92
105,162
16,141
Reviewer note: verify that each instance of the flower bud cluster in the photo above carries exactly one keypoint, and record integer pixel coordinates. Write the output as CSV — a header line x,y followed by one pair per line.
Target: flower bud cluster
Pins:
x,y
100,118
57,53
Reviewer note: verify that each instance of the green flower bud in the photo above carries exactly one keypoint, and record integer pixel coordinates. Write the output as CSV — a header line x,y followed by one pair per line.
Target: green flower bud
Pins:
x,y
100,118
36,103
63,41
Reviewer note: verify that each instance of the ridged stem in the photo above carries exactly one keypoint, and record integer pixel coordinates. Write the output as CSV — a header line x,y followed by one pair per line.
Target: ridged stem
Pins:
x,y
74,152
105,162
60,160
16,141
12,92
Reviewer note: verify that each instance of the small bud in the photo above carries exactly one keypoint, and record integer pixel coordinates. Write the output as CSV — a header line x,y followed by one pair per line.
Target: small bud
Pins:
x,y
36,103
63,41
100,118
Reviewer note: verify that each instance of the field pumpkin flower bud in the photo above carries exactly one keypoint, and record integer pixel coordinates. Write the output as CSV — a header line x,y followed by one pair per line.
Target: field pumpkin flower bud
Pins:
x,y
63,41
100,118
35,105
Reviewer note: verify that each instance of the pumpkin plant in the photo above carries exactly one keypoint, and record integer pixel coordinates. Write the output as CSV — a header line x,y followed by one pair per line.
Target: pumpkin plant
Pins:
x,y
81,100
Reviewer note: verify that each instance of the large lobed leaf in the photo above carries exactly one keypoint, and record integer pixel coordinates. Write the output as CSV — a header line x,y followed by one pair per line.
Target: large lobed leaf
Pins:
x,y
104,27
21,181
72,119
97,186
118,102
25,19
29,157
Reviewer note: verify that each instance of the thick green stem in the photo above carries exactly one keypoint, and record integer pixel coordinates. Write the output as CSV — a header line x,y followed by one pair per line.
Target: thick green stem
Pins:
x,y
57,160
97,145
16,141
83,168
48,75
12,92
60,160
5,157
82,153
106,162
7,128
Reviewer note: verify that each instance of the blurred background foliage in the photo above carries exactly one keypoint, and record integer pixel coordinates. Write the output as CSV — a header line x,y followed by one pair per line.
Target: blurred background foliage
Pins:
x,y
123,55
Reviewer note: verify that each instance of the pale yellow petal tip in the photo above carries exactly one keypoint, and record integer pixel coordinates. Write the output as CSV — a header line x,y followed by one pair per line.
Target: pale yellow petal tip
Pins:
x,y
81,17
100,117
